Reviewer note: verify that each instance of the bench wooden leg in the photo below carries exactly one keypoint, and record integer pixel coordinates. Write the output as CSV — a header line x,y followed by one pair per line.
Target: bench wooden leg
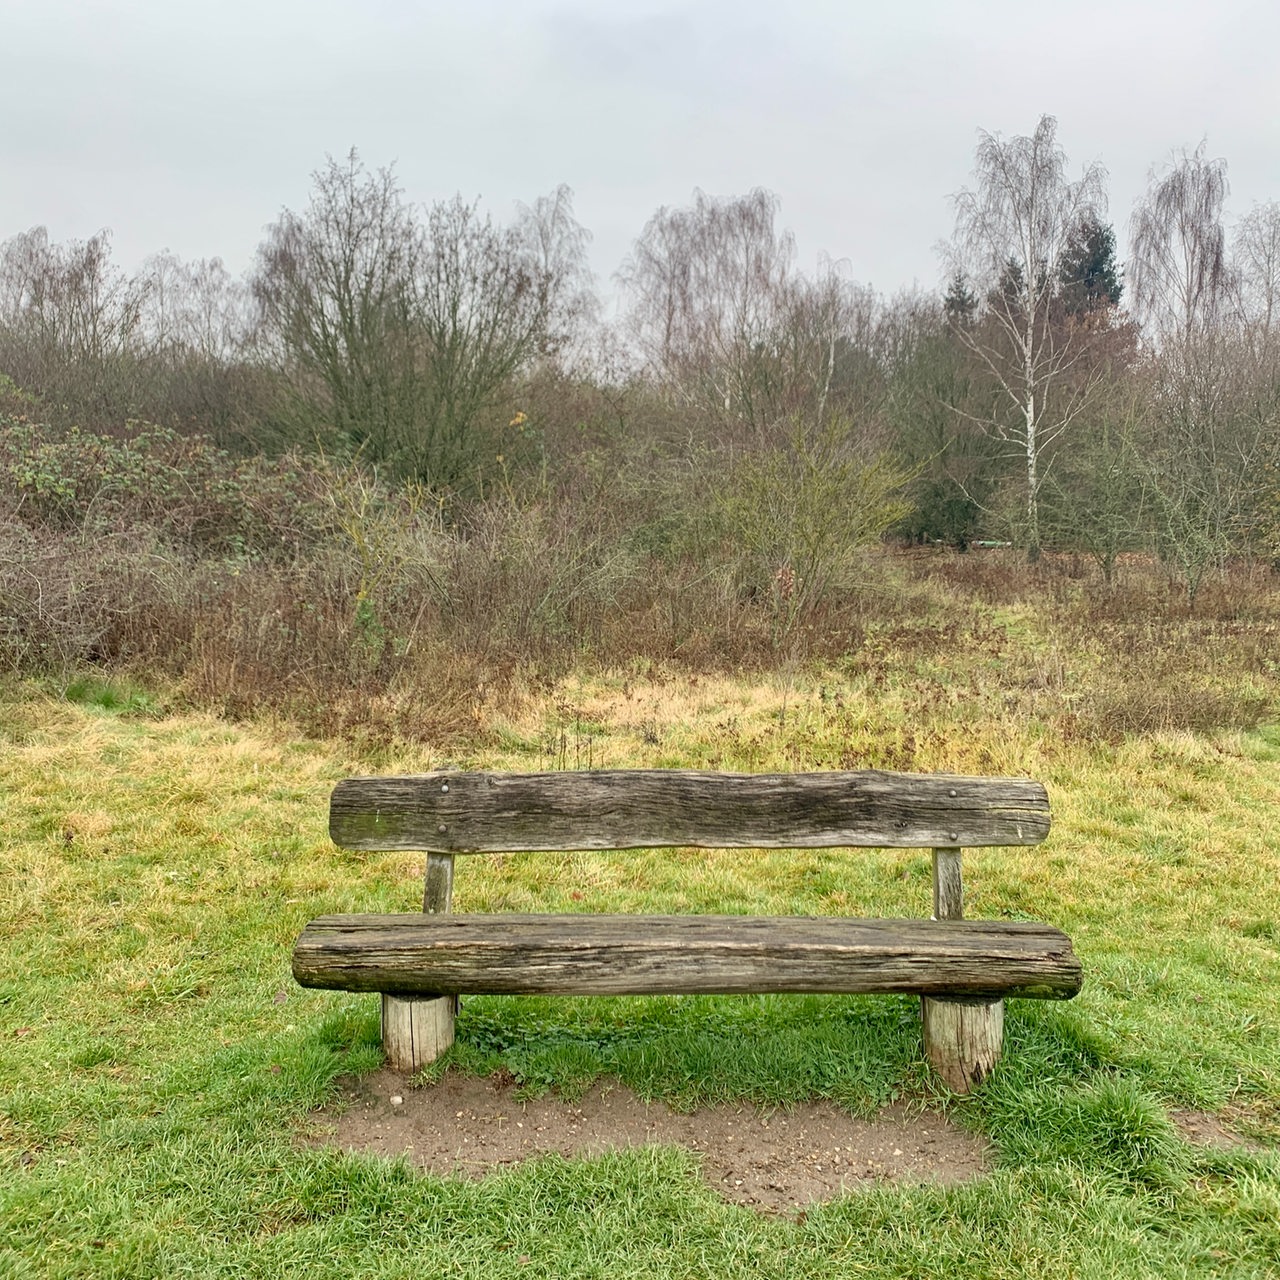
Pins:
x,y
416,1032
963,1041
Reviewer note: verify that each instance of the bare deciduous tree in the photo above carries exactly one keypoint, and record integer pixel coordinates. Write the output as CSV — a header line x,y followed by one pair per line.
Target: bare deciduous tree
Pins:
x,y
828,339
193,308
193,351
1256,259
556,245
405,333
1212,437
69,323
1178,272
728,327
1012,233
706,284
335,287
485,305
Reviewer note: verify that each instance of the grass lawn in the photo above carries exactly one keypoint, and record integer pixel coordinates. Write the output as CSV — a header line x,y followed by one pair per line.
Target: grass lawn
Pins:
x,y
157,1063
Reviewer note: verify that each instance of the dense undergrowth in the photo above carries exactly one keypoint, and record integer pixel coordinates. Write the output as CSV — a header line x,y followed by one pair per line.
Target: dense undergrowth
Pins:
x,y
308,588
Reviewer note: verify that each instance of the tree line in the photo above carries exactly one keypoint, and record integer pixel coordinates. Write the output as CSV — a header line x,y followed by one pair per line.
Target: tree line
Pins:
x,y
1044,396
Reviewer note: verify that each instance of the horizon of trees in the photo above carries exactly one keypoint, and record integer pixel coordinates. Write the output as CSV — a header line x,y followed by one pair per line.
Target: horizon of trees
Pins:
x,y
1048,394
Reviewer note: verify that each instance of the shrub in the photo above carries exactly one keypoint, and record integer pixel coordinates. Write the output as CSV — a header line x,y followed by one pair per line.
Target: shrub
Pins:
x,y
797,515
191,493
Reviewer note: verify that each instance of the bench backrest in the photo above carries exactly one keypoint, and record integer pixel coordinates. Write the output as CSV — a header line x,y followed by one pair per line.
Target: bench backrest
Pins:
x,y
453,812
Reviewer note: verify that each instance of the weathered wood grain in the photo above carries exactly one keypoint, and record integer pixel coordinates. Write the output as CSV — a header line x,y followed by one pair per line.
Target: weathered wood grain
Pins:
x,y
629,809
437,884
948,885
962,1038
632,955
415,1032
963,1041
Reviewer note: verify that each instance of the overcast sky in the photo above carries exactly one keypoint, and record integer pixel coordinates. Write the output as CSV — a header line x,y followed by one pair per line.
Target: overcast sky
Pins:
x,y
189,126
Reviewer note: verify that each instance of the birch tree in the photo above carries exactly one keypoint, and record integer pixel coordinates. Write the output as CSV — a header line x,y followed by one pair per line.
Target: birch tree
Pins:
x,y
1257,264
1213,445
729,329
1180,278
1014,230
70,325
706,286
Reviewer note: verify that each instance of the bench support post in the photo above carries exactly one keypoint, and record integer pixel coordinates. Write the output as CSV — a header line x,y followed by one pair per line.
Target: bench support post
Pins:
x,y
962,1039
416,1032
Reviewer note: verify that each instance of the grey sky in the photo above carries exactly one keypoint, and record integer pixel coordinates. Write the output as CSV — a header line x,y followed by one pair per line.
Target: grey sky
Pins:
x,y
188,126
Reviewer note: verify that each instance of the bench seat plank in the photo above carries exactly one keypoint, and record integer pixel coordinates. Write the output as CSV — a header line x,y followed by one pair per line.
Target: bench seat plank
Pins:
x,y
450,812
414,955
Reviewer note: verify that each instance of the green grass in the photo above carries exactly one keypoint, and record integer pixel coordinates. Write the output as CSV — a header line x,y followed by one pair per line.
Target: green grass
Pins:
x,y
114,697
157,1064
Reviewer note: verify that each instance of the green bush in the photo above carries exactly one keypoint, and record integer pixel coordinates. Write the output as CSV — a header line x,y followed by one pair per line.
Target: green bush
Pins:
x,y
193,494
796,515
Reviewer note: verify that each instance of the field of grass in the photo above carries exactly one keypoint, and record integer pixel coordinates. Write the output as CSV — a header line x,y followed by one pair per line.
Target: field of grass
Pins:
x,y
157,1064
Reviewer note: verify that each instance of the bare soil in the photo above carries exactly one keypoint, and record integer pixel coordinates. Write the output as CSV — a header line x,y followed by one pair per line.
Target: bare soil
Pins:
x,y
776,1160
1204,1129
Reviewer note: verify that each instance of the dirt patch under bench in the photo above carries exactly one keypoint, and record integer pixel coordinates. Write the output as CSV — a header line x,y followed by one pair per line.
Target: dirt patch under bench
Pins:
x,y
777,1160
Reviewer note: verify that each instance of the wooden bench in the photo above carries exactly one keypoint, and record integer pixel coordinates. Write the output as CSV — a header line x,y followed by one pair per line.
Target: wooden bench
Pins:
x,y
420,963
